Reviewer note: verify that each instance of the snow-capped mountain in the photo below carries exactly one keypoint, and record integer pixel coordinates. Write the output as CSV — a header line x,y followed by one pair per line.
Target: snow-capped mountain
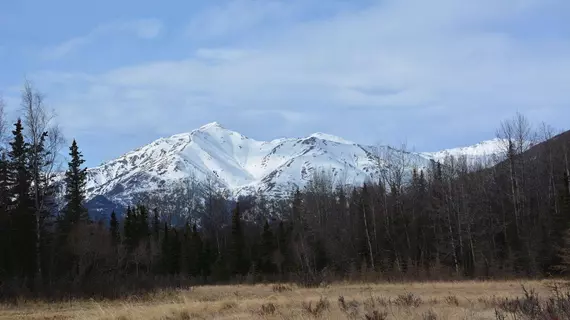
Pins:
x,y
237,163
486,151
241,165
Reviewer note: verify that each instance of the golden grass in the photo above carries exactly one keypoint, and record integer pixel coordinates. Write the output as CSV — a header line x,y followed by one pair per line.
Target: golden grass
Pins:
x,y
444,300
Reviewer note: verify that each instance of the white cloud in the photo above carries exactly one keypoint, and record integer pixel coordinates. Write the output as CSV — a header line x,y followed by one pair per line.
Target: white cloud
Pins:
x,y
143,29
236,17
64,48
464,62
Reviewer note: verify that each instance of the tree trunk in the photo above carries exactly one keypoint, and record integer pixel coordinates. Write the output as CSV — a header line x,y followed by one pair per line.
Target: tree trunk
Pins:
x,y
368,239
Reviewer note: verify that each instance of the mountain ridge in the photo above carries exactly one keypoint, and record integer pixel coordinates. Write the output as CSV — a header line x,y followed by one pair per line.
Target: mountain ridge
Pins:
x,y
241,165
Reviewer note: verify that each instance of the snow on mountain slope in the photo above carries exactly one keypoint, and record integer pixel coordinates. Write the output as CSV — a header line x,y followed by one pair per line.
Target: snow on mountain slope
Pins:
x,y
238,164
242,166
484,151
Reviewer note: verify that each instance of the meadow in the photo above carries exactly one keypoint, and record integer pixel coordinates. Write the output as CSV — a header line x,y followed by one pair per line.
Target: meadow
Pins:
x,y
501,300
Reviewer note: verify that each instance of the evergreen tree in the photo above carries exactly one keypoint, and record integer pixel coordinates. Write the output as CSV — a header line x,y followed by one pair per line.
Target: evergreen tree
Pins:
x,y
207,259
220,268
5,219
75,180
267,249
166,252
5,200
129,228
156,226
114,229
283,246
195,253
24,222
175,250
143,231
238,261
185,255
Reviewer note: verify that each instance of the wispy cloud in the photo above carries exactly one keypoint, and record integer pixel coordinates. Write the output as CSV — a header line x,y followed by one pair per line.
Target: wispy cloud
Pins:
x,y
235,17
143,29
396,69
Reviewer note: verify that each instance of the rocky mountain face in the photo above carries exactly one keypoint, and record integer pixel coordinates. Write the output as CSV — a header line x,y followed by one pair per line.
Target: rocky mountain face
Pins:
x,y
240,166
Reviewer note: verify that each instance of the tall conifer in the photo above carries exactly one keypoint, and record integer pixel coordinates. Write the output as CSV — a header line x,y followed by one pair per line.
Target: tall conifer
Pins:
x,y
238,261
114,229
75,180
23,227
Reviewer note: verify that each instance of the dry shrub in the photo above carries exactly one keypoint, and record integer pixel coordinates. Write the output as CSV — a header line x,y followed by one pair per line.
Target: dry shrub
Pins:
x,y
500,315
268,309
350,308
376,315
208,298
408,300
452,300
229,305
530,306
488,302
429,315
179,315
318,309
280,288
374,302
184,315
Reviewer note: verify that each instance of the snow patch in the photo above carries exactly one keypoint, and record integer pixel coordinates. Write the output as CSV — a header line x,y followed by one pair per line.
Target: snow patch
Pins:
x,y
330,137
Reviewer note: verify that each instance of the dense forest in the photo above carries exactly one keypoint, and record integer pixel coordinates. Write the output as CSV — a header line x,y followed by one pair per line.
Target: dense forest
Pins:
x,y
450,220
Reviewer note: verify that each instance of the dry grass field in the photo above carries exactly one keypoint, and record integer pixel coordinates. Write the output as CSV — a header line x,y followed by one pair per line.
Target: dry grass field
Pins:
x,y
425,301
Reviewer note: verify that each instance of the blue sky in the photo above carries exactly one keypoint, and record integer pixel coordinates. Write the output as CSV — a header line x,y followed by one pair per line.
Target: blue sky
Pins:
x,y
435,74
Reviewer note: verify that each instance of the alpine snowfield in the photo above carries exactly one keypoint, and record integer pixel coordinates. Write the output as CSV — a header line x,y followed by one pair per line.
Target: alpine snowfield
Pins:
x,y
241,165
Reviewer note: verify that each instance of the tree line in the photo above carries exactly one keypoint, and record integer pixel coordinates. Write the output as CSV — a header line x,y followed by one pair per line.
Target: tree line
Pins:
x,y
451,219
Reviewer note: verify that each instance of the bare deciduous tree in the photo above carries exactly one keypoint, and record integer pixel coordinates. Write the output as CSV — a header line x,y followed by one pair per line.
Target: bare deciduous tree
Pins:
x,y
2,121
45,140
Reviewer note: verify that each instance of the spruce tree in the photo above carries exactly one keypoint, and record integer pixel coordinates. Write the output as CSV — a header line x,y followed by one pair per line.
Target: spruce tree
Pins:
x,y
5,219
238,261
143,230
114,229
5,200
175,251
24,223
196,265
129,228
75,180
166,251
185,259
207,259
267,250
283,244
156,226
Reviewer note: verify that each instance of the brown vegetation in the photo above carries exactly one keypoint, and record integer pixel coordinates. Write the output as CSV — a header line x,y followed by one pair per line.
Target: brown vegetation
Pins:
x,y
429,300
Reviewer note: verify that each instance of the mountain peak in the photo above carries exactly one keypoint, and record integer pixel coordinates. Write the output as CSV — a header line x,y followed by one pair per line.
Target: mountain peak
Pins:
x,y
330,137
211,125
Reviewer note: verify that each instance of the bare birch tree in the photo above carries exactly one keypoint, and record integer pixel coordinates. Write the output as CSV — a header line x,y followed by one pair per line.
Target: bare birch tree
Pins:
x,y
45,140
